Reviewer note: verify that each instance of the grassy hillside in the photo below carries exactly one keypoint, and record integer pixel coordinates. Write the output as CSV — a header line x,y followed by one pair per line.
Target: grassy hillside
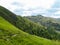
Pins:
x,y
10,35
24,24
27,25
12,27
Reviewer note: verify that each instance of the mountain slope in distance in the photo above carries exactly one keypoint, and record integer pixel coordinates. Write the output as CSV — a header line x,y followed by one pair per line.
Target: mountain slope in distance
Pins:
x,y
46,21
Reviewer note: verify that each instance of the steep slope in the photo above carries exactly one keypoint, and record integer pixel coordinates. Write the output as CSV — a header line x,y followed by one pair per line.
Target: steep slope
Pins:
x,y
28,26
10,35
24,24
8,15
38,29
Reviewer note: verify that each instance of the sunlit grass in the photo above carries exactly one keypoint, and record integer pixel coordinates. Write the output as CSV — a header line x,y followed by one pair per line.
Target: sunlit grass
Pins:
x,y
10,35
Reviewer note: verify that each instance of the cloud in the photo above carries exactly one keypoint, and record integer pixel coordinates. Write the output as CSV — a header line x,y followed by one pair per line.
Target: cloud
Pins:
x,y
54,11
55,16
57,4
58,12
37,3
27,13
7,4
28,7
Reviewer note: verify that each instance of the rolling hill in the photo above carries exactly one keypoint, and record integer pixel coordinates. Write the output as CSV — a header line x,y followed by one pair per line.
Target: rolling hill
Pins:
x,y
15,30
14,36
28,26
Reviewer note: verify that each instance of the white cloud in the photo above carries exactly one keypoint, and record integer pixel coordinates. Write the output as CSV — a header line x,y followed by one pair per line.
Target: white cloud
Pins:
x,y
55,16
7,4
27,4
27,13
58,12
37,3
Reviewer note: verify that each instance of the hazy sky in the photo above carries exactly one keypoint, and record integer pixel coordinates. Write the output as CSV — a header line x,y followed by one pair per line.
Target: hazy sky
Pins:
x,y
33,7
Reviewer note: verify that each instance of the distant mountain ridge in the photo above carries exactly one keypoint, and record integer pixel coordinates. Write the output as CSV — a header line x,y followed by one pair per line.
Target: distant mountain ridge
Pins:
x,y
46,21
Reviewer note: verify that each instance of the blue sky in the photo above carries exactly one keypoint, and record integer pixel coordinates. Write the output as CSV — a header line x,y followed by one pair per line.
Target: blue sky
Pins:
x,y
49,8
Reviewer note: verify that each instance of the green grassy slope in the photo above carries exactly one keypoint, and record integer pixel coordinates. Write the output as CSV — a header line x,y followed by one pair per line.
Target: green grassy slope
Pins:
x,y
10,35
24,24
